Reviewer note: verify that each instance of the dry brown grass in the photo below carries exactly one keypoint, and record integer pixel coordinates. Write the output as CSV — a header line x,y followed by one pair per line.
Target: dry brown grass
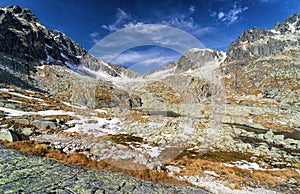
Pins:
x,y
239,177
168,94
80,160
5,94
137,116
102,115
269,121
193,164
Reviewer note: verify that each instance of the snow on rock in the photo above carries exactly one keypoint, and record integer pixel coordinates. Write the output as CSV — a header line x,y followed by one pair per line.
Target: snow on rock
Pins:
x,y
12,112
243,164
20,95
95,126
74,106
212,185
16,113
212,173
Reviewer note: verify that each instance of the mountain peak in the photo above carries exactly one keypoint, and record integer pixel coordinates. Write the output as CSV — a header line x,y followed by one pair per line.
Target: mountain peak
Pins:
x,y
290,25
23,13
195,58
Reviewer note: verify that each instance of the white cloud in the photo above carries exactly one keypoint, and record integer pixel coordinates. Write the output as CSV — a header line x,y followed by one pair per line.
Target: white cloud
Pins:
x,y
140,34
121,18
129,33
94,36
146,60
221,15
192,9
187,23
183,21
231,16
267,1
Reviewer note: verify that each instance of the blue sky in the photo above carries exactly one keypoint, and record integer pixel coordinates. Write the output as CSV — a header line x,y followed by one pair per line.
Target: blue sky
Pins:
x,y
215,23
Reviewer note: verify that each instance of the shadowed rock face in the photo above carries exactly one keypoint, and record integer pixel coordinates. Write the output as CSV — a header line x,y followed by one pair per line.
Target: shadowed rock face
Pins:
x,y
25,174
21,35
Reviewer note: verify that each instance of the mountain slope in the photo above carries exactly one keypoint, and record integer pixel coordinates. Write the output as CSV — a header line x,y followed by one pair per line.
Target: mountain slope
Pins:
x,y
266,62
22,36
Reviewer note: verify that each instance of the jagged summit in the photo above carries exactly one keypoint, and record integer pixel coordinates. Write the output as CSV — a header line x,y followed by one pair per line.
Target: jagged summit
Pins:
x,y
266,62
290,25
256,42
196,58
22,36
17,11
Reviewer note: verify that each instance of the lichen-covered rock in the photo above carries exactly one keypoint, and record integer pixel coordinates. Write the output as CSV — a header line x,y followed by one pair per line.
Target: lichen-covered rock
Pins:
x,y
266,62
196,58
41,175
8,135
44,124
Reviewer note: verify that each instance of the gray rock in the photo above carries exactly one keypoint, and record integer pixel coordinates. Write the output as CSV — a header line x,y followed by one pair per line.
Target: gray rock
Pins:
x,y
8,135
196,58
269,136
173,169
41,175
22,121
27,131
42,124
11,106
279,137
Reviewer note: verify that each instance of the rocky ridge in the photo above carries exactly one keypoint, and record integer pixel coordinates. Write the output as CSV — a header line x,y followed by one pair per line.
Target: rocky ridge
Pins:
x,y
31,44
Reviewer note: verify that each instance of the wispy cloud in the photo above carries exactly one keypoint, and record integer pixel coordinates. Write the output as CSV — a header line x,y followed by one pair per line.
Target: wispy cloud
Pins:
x,y
122,18
192,9
129,32
267,1
183,21
231,16
146,60
94,36
140,34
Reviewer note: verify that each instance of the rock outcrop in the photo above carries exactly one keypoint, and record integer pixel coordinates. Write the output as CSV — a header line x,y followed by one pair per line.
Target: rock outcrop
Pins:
x,y
266,62
22,36
197,58
55,177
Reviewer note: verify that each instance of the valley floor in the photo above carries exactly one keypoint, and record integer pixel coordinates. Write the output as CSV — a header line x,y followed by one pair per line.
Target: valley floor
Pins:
x,y
157,146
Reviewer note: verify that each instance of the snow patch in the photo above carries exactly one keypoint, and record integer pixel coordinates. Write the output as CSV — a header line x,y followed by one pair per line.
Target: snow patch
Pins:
x,y
1,18
20,95
212,173
16,113
64,56
74,106
154,152
243,164
95,126
48,46
209,183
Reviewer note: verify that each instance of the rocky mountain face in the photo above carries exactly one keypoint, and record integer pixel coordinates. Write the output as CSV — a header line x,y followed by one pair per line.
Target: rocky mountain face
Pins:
x,y
262,71
266,62
22,36
26,45
197,58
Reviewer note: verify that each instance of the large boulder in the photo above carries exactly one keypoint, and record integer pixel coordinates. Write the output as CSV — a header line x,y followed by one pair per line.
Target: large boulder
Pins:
x,y
8,135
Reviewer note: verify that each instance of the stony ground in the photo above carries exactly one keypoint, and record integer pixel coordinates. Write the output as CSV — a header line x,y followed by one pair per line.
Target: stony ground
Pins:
x,y
26,174
161,146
